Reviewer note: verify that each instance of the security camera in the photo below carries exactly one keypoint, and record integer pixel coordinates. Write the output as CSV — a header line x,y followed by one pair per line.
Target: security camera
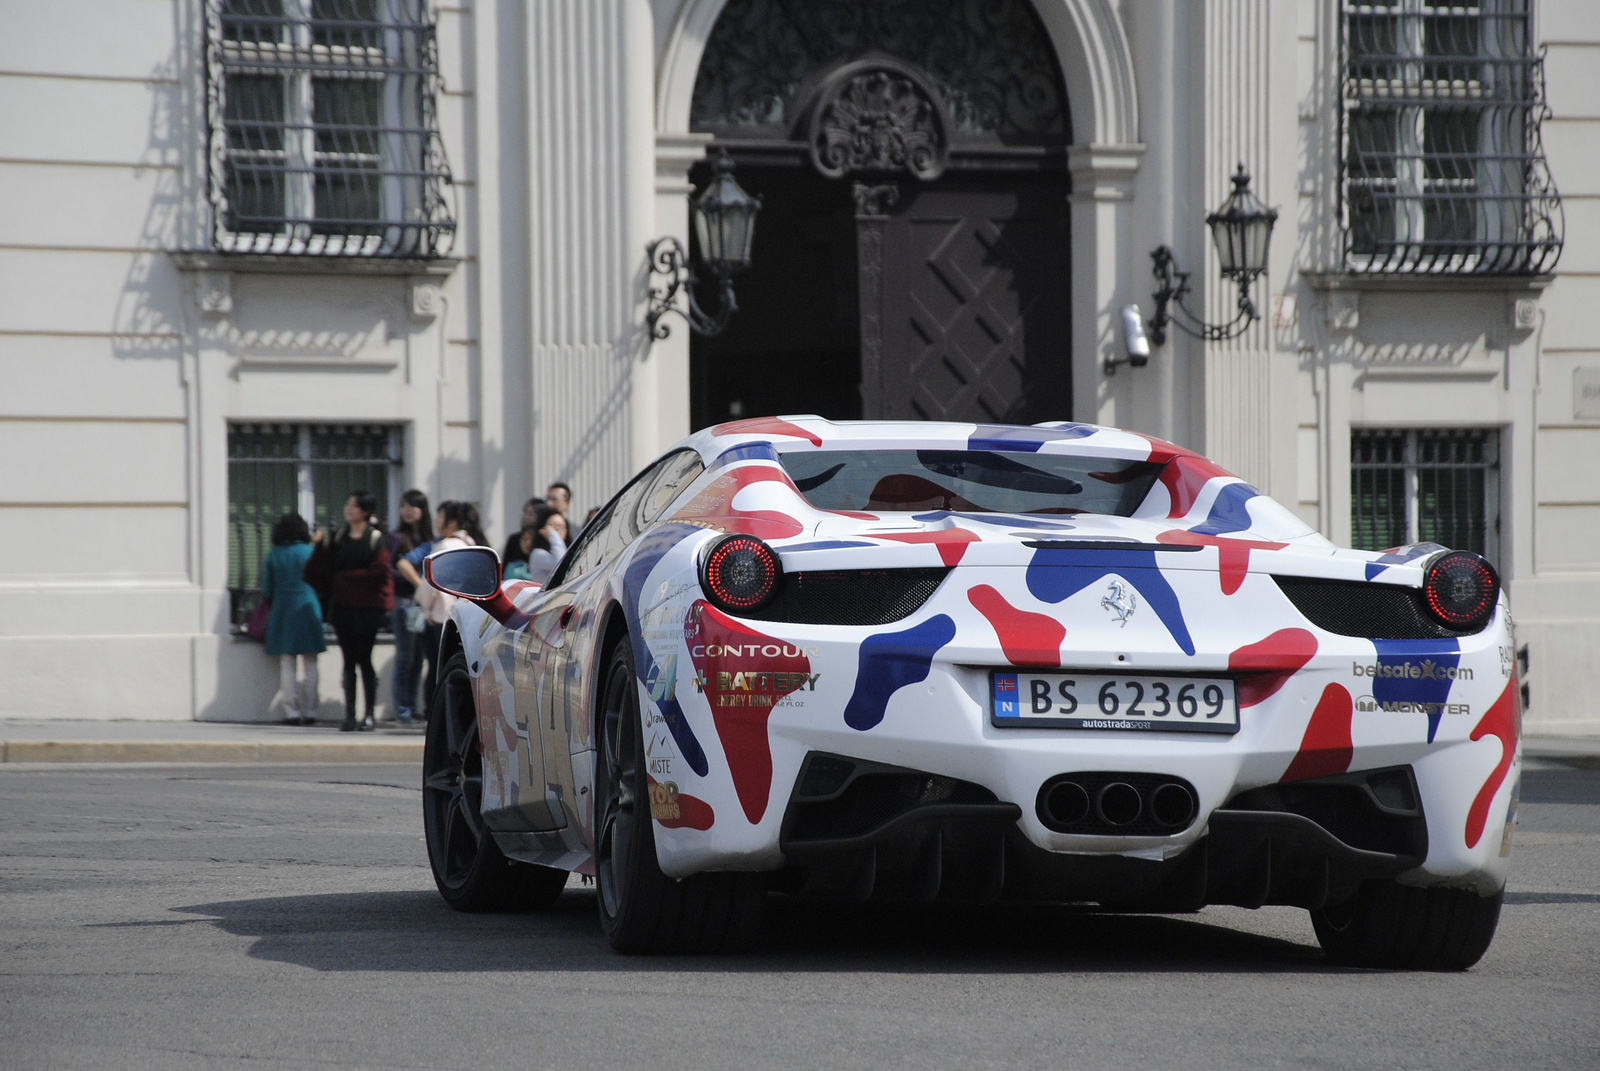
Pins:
x,y
1134,342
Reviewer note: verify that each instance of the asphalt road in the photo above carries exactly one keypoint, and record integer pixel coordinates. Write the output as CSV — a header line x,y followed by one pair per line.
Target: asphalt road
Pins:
x,y
274,916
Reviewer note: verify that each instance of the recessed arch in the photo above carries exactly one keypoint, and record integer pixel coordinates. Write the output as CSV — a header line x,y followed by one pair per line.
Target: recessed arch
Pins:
x,y
1087,35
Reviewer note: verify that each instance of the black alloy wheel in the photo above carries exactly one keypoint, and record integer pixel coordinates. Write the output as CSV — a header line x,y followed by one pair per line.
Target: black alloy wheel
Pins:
x,y
1386,924
468,867
641,909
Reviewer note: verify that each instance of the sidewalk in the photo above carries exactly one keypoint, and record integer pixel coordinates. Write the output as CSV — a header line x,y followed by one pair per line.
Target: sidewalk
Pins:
x,y
200,741
196,741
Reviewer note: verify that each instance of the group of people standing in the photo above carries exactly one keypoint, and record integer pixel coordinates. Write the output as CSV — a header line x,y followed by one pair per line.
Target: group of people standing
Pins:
x,y
365,576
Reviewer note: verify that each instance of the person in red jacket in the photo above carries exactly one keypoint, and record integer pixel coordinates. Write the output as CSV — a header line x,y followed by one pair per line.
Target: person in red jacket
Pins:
x,y
351,572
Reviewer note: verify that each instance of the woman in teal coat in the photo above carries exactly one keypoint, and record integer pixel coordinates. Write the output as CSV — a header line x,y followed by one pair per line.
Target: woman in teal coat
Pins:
x,y
294,627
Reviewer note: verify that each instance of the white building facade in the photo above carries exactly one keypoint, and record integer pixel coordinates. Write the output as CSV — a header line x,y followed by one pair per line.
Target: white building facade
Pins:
x,y
260,252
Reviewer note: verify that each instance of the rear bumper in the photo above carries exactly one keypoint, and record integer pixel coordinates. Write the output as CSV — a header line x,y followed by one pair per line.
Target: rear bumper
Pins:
x,y
940,727
861,830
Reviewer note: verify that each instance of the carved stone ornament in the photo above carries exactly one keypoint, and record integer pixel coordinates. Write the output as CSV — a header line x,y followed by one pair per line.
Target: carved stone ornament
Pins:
x,y
877,116
213,293
425,299
1523,313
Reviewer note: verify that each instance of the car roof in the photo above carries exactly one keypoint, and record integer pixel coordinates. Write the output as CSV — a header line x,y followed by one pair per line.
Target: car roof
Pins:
x,y
802,432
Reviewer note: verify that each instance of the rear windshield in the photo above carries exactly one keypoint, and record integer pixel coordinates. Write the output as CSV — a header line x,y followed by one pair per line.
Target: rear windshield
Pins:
x,y
969,481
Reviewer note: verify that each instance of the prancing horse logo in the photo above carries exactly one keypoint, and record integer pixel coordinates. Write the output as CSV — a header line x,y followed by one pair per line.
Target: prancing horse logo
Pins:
x,y
1121,602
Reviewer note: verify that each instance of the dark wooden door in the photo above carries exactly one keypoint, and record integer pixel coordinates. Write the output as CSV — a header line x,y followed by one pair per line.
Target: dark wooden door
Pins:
x,y
971,304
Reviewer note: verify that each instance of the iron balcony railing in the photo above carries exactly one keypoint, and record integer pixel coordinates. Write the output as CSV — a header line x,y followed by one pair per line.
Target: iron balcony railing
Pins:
x,y
1443,166
323,129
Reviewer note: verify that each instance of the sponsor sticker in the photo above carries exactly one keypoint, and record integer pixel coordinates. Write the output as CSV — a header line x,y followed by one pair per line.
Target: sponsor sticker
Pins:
x,y
751,650
755,688
662,680
1425,670
664,805
658,753
1368,704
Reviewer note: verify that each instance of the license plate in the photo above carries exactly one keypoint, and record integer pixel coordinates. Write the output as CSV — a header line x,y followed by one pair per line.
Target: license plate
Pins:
x,y
1025,699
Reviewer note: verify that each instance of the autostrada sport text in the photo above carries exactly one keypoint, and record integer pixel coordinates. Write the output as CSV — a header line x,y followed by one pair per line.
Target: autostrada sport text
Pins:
x,y
975,662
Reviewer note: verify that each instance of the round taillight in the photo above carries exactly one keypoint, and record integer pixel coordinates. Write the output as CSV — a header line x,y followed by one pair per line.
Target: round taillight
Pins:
x,y
740,573
1461,589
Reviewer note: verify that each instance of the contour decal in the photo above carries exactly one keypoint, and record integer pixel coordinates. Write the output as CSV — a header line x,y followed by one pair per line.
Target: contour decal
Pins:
x,y
1233,554
767,426
951,542
825,544
1000,520
1265,666
1228,512
651,549
1326,748
1417,673
1055,575
1028,639
756,451
1025,440
679,810
1399,555
888,662
1184,477
743,674
713,507
1500,722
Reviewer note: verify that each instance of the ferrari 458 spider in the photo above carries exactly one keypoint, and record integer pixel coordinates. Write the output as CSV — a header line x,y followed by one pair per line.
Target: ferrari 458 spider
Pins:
x,y
915,660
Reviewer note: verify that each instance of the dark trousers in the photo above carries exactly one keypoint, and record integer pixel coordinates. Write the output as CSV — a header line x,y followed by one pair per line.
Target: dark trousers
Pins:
x,y
408,656
357,629
430,646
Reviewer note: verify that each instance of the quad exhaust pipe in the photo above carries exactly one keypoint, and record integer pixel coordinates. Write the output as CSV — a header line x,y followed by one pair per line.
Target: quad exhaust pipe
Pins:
x,y
1128,804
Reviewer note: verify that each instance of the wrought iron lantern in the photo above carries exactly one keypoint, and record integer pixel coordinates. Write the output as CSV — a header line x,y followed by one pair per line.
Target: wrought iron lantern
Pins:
x,y
725,228
1241,230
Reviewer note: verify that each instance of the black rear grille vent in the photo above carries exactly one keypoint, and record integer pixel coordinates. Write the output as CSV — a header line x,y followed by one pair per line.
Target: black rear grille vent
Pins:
x,y
850,596
871,801
1361,608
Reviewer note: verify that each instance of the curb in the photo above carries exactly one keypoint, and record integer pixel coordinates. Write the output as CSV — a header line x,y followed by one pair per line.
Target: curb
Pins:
x,y
14,751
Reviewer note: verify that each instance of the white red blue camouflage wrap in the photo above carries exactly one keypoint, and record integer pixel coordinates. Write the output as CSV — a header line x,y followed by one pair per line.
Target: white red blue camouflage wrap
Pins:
x,y
733,706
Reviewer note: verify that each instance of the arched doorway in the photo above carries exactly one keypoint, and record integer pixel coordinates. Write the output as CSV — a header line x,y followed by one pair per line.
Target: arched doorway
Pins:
x,y
912,254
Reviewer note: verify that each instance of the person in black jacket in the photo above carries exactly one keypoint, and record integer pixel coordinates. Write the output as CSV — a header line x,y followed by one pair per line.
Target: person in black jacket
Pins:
x,y
351,572
414,530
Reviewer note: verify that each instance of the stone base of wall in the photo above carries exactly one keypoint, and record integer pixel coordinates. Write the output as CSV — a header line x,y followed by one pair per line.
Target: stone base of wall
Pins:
x,y
162,678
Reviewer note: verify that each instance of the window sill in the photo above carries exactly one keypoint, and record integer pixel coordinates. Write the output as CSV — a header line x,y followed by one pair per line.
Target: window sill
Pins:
x,y
1438,283
299,264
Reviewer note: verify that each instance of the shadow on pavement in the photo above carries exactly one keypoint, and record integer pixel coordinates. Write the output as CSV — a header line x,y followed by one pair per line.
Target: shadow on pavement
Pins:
x,y
416,932
1563,785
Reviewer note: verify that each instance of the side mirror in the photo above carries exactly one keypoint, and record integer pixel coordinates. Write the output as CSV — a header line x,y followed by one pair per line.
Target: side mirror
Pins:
x,y
466,572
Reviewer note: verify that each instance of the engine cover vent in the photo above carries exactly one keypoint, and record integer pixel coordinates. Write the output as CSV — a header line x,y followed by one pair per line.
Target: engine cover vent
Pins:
x,y
1361,608
850,596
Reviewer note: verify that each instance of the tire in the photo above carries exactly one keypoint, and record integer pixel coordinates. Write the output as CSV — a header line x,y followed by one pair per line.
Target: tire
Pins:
x,y
468,867
1386,924
641,909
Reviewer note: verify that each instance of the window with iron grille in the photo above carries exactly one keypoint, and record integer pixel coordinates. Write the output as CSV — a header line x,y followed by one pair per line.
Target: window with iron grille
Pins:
x,y
1444,170
323,128
309,469
1428,485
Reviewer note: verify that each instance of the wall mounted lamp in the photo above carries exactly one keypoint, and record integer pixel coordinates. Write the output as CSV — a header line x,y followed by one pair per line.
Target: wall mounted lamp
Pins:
x,y
1241,230
724,227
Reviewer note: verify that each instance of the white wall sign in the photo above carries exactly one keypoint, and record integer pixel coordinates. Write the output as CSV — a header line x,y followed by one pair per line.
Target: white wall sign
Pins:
x,y
1586,393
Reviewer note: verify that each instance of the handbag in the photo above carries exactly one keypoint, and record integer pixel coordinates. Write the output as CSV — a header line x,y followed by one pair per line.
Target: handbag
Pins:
x,y
416,619
256,627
